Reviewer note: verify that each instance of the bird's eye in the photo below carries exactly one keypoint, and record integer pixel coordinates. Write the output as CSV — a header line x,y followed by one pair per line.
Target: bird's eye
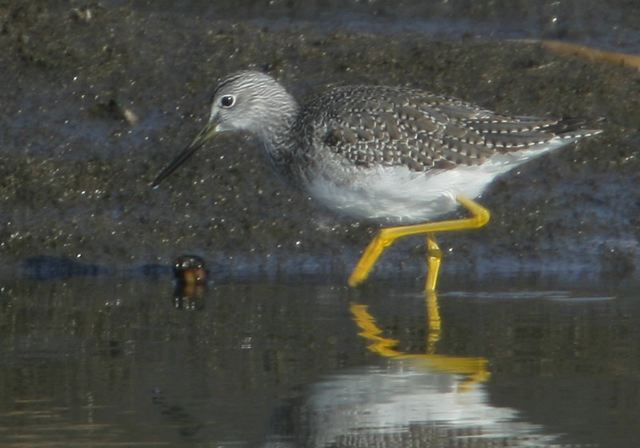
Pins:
x,y
227,101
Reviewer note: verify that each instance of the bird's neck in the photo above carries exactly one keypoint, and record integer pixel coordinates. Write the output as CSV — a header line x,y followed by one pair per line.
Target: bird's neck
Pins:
x,y
278,137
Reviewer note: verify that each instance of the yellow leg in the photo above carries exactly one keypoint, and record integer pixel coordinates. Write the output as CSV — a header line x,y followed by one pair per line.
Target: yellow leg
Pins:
x,y
434,258
386,237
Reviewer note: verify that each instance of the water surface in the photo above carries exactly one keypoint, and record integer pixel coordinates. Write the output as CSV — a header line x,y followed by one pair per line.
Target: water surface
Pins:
x,y
108,362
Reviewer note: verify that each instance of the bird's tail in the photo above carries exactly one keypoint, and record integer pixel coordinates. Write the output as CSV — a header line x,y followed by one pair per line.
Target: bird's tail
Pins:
x,y
574,128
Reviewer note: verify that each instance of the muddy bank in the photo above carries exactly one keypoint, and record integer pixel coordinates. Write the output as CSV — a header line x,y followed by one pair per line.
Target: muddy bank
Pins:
x,y
95,104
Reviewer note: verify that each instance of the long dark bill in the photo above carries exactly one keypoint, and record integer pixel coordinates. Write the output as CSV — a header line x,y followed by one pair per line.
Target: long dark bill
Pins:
x,y
203,136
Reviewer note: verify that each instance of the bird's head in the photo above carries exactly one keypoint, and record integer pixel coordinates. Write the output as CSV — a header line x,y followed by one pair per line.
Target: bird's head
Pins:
x,y
247,101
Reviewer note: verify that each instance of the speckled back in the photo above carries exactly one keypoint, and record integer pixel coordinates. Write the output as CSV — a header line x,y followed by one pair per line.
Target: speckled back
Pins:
x,y
377,125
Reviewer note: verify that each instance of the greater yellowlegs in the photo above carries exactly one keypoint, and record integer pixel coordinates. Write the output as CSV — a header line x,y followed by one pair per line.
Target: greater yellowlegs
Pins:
x,y
395,155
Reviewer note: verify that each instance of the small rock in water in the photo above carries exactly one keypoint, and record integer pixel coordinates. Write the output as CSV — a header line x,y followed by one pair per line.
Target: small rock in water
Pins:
x,y
191,282
190,270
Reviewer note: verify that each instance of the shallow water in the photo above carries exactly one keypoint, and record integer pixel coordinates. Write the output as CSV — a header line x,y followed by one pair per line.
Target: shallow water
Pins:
x,y
105,362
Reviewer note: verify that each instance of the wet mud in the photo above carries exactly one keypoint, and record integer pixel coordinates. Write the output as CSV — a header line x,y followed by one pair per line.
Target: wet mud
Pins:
x,y
98,97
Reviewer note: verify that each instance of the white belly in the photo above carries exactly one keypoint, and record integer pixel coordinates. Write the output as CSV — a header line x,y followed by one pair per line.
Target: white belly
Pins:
x,y
399,195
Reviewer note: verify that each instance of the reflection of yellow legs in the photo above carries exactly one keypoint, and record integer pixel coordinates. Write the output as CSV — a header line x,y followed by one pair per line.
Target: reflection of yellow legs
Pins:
x,y
434,324
475,369
385,346
386,237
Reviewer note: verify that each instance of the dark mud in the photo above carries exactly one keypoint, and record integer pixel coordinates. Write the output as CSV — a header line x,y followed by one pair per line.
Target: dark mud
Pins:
x,y
98,97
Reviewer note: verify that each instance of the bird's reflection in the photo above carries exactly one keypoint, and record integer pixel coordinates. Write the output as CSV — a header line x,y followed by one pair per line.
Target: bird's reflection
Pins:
x,y
407,404
417,399
473,368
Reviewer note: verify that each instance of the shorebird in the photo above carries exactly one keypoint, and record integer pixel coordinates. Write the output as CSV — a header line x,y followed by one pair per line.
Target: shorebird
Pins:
x,y
394,155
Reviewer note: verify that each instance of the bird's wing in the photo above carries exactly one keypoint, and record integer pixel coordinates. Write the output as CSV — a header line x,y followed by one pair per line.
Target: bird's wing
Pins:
x,y
372,125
